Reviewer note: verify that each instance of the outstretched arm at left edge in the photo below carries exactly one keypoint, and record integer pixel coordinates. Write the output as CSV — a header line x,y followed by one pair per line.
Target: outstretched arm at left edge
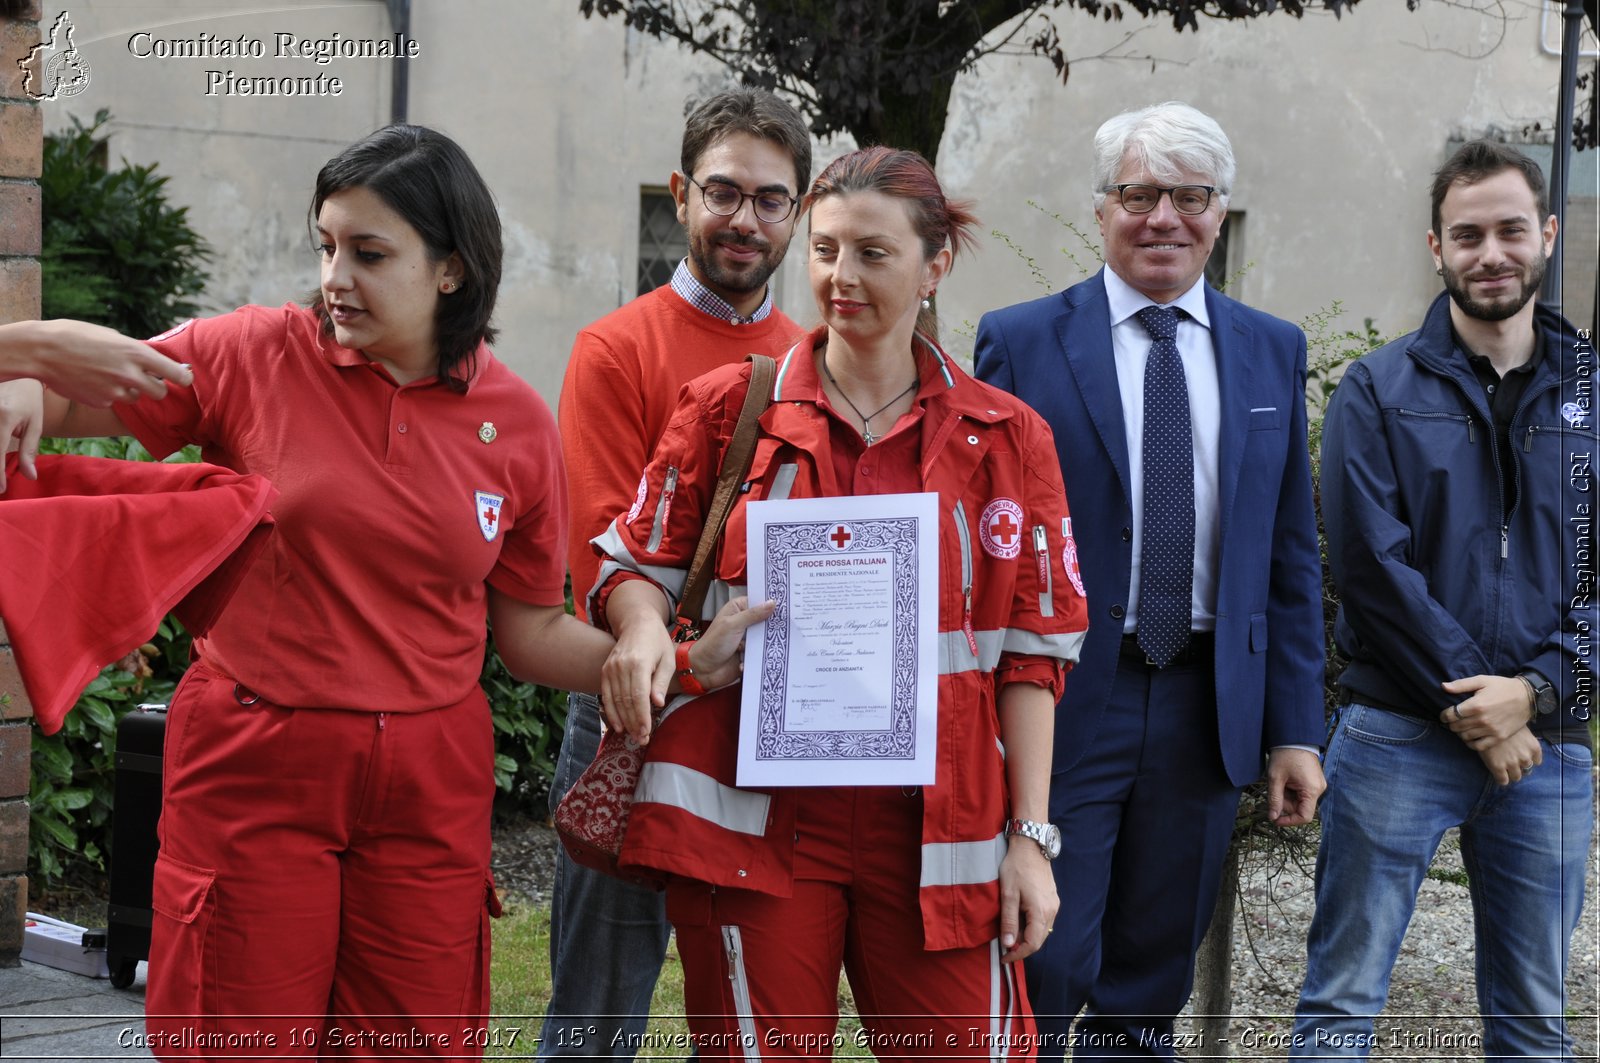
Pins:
x,y
86,368
89,364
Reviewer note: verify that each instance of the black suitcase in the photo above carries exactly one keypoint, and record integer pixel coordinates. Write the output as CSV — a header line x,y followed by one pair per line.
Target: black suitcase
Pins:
x,y
136,807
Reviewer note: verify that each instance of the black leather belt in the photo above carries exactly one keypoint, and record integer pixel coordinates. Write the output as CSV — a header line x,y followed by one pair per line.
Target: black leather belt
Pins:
x,y
1199,650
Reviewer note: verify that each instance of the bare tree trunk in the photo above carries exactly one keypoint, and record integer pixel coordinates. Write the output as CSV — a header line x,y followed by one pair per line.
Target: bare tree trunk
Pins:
x,y
1213,967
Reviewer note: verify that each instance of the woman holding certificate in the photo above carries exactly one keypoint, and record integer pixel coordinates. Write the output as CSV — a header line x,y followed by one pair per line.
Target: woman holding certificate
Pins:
x,y
927,895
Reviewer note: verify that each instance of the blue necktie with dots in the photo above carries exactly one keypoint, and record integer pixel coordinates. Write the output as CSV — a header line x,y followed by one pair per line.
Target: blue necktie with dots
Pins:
x,y
1166,556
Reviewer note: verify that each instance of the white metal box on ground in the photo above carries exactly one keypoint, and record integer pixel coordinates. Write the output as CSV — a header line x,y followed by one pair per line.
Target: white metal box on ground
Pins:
x,y
65,946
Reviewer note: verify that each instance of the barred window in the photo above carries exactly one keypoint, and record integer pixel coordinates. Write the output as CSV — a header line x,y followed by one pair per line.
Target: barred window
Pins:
x,y
1227,256
662,242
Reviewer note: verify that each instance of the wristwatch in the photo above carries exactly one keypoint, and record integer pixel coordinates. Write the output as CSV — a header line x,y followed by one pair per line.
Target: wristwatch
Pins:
x,y
1545,701
1048,835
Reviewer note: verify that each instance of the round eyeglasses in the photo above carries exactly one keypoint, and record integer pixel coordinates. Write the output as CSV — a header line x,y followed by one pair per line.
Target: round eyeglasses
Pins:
x,y
724,199
1142,199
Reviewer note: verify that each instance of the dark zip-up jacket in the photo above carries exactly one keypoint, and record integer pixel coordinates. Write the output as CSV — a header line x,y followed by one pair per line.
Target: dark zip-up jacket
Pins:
x,y
1436,581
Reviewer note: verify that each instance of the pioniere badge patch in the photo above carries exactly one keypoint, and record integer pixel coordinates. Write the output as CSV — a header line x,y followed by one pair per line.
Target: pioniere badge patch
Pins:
x,y
488,509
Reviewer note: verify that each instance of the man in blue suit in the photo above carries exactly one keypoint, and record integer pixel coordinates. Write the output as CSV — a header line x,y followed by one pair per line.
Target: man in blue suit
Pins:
x,y
1180,422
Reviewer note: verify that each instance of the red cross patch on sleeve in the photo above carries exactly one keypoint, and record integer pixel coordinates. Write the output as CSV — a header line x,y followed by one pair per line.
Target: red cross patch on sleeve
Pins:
x,y
638,500
1069,556
1000,529
488,509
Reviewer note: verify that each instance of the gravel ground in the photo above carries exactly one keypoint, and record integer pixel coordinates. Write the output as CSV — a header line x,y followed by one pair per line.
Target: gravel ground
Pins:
x,y
1432,1011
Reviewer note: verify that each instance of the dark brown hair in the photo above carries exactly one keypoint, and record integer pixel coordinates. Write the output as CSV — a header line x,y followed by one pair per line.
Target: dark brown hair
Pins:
x,y
753,111
427,179
1480,159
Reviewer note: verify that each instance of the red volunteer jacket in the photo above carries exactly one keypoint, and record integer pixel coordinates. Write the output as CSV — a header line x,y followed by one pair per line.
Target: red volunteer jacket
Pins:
x,y
96,552
1009,595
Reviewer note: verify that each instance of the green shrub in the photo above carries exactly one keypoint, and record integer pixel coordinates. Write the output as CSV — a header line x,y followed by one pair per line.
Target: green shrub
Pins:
x,y
114,251
529,721
73,770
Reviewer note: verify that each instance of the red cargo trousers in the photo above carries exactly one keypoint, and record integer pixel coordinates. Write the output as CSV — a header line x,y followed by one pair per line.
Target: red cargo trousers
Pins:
x,y
323,884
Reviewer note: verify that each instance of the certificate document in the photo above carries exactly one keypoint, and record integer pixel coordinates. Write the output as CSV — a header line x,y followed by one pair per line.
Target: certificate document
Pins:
x,y
841,683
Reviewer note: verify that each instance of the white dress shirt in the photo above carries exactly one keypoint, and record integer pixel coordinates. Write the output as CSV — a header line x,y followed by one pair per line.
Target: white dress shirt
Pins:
x,y
1130,345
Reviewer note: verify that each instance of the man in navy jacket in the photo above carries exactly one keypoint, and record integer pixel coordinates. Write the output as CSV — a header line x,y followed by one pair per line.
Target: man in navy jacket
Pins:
x,y
1459,502
1180,422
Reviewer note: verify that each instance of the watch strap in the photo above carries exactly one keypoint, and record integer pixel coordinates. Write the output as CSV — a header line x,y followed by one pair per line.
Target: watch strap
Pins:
x,y
1541,694
1038,833
686,677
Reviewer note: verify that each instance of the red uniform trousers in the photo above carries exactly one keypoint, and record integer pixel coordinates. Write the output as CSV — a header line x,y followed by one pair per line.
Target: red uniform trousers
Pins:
x,y
323,879
761,973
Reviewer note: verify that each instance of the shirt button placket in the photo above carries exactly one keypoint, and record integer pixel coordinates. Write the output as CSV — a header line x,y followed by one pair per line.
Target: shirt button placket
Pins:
x,y
399,431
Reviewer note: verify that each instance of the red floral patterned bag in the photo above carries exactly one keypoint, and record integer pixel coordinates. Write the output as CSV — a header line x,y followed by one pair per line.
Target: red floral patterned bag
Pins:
x,y
592,818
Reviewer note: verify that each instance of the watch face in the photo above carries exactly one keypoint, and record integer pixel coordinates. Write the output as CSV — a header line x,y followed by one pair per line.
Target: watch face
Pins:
x,y
1545,700
1047,835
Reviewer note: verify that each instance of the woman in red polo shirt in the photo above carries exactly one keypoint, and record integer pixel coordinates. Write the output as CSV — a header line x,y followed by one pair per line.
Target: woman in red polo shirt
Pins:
x,y
323,882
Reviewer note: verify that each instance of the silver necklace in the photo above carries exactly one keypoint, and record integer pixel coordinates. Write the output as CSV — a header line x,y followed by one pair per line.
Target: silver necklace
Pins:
x,y
866,418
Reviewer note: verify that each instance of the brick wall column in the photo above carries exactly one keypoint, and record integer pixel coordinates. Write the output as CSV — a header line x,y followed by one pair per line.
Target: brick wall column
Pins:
x,y
21,147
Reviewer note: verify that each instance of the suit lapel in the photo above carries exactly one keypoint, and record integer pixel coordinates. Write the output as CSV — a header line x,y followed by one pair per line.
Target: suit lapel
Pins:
x,y
1085,335
1231,336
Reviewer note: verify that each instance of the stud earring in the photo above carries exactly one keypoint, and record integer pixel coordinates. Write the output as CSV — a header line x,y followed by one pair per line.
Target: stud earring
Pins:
x,y
447,287
1440,271
927,305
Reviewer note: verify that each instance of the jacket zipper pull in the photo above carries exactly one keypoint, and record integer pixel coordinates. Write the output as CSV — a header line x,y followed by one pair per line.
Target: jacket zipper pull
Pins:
x,y
1505,546
966,619
380,721
1472,433
668,489
1527,442
1041,553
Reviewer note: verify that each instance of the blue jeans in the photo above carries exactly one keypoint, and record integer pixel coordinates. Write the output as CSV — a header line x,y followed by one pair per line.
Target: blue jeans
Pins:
x,y
1395,785
607,937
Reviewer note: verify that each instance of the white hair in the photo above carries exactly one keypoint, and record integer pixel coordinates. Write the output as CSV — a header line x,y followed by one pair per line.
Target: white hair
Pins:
x,y
1168,139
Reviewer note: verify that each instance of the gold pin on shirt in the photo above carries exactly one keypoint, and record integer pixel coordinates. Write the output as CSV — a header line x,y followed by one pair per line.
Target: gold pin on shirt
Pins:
x,y
487,432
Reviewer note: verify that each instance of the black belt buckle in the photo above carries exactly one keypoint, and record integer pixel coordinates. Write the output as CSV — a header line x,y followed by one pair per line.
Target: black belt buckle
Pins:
x,y
1195,651
1131,650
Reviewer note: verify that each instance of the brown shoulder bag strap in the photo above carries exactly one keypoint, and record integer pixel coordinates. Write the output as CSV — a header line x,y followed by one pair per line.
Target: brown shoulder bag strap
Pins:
x,y
735,464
